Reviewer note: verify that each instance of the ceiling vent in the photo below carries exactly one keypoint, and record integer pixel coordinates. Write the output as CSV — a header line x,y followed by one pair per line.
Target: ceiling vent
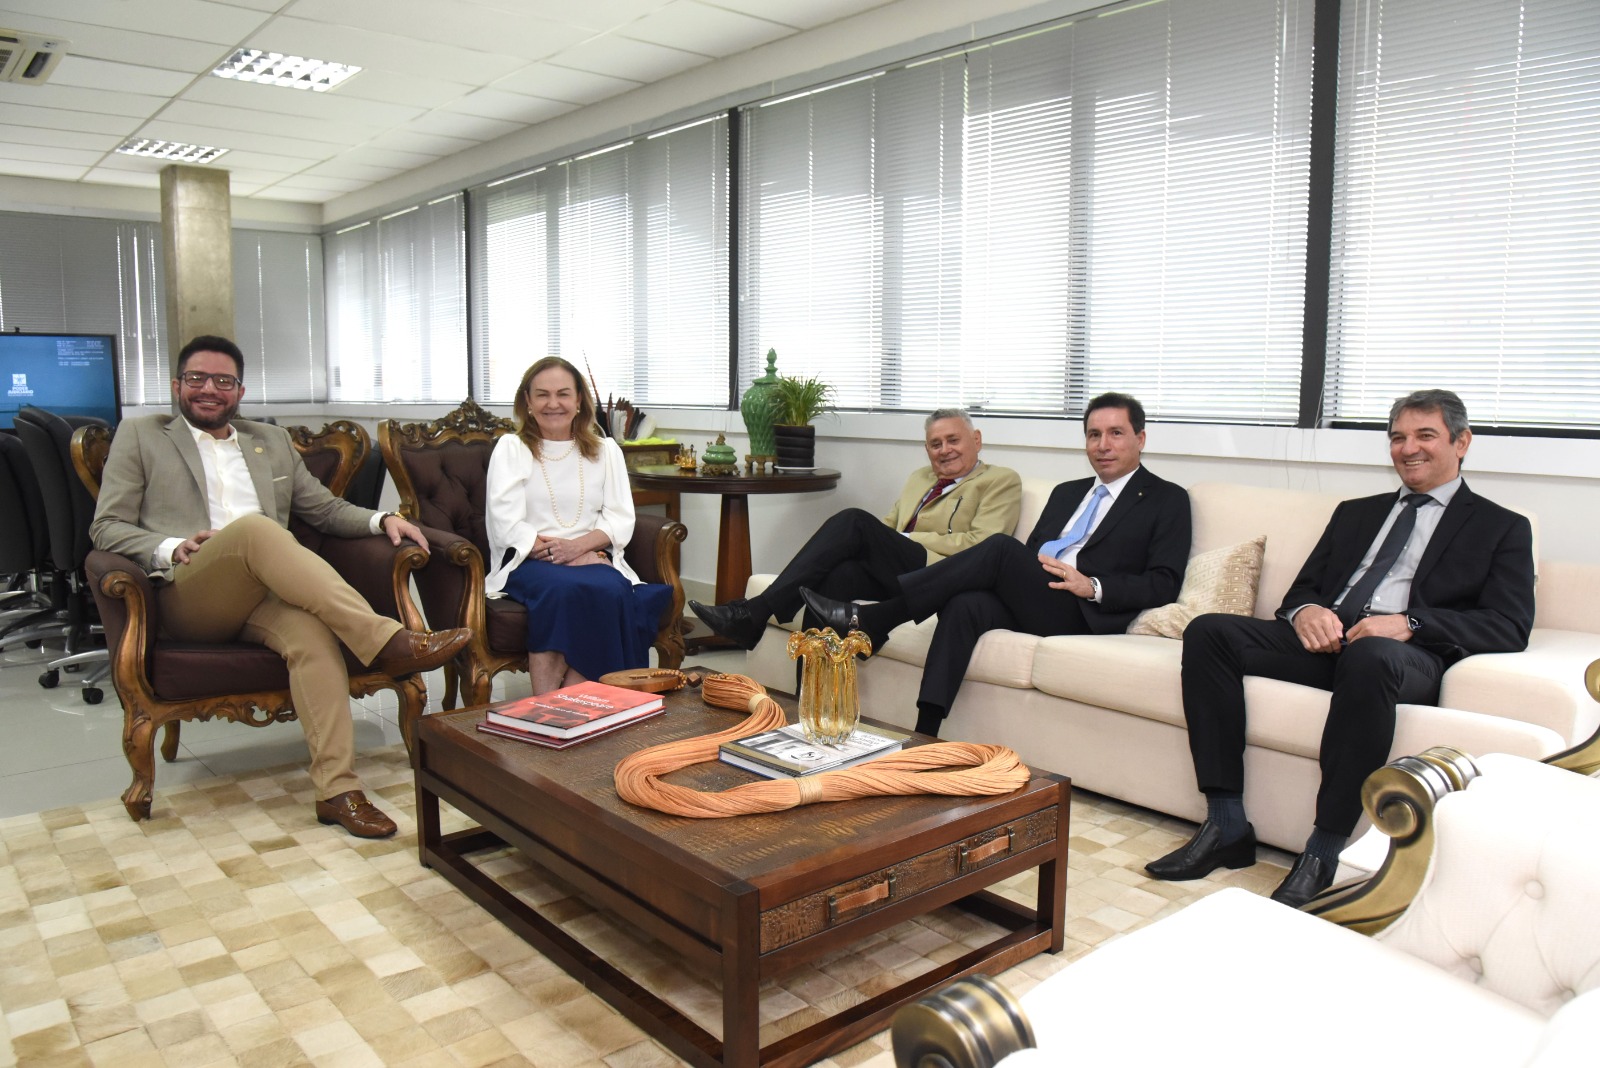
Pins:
x,y
28,57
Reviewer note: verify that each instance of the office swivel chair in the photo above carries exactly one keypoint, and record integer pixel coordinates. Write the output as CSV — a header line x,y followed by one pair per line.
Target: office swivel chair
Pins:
x,y
27,612
68,510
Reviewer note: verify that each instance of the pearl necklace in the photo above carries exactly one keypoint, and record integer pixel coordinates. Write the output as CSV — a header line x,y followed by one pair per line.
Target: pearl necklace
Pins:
x,y
551,490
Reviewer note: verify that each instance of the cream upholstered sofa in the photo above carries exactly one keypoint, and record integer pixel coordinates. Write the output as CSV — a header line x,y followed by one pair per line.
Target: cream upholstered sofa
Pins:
x,y
1490,956
1107,710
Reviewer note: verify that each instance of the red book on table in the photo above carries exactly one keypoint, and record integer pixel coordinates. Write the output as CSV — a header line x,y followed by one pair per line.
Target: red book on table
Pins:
x,y
573,711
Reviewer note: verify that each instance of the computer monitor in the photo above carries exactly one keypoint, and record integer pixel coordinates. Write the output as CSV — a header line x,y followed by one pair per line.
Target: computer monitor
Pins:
x,y
68,374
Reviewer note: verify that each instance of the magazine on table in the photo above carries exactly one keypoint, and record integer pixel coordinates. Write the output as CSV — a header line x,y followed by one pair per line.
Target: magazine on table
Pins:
x,y
786,752
573,711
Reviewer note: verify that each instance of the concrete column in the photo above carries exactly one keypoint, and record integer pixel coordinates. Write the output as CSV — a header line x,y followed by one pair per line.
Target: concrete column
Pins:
x,y
197,228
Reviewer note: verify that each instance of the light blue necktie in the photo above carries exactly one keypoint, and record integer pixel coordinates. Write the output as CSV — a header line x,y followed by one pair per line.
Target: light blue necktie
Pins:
x,y
1080,529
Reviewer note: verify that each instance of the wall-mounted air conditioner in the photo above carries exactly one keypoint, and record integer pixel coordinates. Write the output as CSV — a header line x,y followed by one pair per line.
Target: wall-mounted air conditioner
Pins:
x,y
29,58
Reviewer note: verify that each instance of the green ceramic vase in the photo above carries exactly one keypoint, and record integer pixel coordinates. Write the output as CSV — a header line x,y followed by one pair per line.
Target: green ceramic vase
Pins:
x,y
757,408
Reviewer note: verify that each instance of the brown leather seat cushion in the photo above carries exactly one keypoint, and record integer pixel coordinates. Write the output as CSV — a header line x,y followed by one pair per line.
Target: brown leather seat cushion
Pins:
x,y
508,625
185,670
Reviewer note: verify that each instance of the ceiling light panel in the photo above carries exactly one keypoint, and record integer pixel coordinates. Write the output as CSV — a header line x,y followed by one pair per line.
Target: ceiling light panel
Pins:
x,y
291,72
176,151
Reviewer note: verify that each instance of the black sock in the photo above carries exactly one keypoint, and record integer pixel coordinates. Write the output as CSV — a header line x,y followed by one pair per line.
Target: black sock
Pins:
x,y
756,606
1225,808
929,717
1326,846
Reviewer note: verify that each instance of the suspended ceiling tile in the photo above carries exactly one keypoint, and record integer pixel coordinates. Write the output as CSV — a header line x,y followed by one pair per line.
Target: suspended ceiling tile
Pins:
x,y
86,72
66,172
372,155
455,124
383,51
512,107
555,82
109,176
411,90
189,19
587,14
79,157
508,31
804,14
697,27
331,106
310,184
60,119
32,135
409,139
295,151
72,98
622,57
246,122
258,5
342,168
299,196
274,163
125,46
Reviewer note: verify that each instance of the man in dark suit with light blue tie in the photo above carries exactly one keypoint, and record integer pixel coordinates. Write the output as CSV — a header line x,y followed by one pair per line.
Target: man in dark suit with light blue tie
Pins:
x,y
1104,549
1400,586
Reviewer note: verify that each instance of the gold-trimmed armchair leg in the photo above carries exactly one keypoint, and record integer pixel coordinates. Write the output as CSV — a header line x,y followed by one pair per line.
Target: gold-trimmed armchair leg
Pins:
x,y
972,1023
169,741
1399,798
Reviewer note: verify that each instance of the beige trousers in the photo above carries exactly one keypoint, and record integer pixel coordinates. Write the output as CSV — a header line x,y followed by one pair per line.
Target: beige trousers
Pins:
x,y
253,580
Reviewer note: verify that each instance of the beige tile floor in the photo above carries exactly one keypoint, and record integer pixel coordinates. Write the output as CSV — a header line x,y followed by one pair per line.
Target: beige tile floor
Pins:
x,y
233,929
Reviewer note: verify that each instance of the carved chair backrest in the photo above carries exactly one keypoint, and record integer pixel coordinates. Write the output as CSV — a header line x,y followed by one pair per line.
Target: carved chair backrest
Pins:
x,y
90,445
441,468
333,454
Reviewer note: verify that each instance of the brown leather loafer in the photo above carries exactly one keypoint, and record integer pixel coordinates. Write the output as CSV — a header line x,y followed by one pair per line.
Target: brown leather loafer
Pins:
x,y
352,811
411,651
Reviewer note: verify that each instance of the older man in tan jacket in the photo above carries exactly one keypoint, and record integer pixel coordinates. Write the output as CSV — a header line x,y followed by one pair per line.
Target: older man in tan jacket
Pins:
x,y
203,503
952,504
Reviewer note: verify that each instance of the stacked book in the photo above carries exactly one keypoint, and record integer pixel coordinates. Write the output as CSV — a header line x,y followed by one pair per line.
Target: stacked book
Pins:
x,y
787,753
569,715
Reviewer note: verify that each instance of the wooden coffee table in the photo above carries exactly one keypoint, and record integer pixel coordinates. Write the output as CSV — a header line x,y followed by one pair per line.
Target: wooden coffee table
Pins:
x,y
749,897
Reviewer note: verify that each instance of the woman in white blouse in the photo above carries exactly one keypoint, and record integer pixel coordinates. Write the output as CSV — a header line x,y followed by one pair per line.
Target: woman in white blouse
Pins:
x,y
560,512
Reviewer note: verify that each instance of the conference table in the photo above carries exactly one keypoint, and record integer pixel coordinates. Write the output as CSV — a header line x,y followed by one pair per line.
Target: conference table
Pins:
x,y
733,534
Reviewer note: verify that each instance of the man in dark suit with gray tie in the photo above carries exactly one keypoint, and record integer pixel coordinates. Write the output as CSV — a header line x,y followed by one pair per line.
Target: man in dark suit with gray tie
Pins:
x,y
1105,548
1399,587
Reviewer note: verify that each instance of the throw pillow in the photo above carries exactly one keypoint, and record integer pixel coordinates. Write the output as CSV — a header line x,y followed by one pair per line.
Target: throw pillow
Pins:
x,y
1221,580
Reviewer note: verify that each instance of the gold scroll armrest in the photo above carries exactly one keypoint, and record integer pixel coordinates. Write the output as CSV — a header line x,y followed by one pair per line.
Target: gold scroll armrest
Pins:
x,y
972,1023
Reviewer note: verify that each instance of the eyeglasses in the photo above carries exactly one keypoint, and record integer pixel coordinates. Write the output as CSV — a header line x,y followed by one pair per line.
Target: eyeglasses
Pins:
x,y
198,380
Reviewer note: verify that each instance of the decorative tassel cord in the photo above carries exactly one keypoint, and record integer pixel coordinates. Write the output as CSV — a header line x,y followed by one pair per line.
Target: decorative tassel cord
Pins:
x,y
979,770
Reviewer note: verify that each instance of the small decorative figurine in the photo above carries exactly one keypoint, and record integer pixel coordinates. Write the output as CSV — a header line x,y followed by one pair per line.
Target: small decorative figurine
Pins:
x,y
686,460
720,459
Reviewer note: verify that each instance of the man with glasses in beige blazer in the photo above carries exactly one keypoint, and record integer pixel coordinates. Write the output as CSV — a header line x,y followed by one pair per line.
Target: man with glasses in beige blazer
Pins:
x,y
203,502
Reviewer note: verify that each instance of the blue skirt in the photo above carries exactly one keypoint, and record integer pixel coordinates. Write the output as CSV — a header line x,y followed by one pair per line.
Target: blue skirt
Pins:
x,y
591,614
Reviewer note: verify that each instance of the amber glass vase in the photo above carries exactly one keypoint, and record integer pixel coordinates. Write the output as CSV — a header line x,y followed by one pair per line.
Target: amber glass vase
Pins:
x,y
830,706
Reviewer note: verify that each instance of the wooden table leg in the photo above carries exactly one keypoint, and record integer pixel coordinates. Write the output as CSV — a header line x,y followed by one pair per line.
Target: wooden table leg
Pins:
x,y
733,547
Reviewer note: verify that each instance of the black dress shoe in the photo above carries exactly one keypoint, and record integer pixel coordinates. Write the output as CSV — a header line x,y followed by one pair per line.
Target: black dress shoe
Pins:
x,y
1205,853
732,621
840,615
1309,877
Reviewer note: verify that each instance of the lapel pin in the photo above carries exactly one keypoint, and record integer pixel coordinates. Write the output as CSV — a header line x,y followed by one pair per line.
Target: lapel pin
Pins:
x,y
259,449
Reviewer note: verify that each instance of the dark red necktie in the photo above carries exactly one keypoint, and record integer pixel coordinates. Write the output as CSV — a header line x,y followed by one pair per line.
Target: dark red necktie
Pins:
x,y
932,495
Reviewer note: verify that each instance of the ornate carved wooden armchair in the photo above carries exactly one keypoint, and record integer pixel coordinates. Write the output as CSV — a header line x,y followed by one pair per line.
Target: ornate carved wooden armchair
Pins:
x,y
441,471
162,682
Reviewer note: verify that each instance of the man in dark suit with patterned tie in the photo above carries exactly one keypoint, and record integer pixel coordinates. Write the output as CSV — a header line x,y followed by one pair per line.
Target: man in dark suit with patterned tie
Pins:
x,y
1104,549
947,507
1400,586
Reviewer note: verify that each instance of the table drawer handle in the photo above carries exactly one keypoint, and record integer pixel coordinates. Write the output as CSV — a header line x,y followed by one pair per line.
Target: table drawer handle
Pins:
x,y
973,855
842,903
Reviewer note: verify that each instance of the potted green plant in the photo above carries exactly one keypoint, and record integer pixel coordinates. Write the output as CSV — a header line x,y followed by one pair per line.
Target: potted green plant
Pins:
x,y
797,403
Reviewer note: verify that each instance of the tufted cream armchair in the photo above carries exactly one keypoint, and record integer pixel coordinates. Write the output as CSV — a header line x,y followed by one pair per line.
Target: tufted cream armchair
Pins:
x,y
1482,949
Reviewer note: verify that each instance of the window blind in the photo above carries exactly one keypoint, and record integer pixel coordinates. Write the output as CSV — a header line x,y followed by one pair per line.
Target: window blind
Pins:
x,y
83,275
397,307
278,315
1114,202
1467,211
615,259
